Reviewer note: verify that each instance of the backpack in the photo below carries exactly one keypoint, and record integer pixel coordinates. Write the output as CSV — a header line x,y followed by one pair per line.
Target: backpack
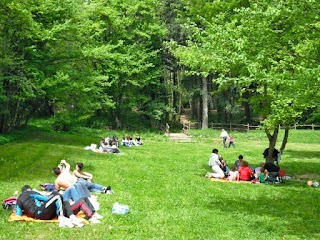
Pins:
x,y
9,203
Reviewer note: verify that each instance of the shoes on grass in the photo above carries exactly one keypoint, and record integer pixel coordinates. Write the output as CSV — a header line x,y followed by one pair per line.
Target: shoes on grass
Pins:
x,y
97,216
65,222
78,222
94,220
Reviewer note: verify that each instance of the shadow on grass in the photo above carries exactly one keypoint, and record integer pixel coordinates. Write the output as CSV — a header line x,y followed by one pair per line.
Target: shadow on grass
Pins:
x,y
252,211
301,154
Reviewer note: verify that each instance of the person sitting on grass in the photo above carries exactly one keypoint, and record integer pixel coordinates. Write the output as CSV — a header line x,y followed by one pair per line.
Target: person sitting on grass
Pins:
x,y
215,164
238,163
38,206
224,166
263,175
245,172
93,187
114,148
138,140
126,142
273,171
65,179
233,174
84,205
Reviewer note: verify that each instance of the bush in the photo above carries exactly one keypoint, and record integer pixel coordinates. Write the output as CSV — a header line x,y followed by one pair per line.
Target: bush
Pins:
x,y
3,140
62,122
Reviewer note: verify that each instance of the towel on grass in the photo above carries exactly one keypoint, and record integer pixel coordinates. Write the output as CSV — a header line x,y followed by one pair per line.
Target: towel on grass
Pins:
x,y
24,218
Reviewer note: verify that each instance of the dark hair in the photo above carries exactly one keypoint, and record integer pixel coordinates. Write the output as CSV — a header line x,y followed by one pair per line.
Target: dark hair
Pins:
x,y
240,157
25,188
57,171
80,165
215,150
245,164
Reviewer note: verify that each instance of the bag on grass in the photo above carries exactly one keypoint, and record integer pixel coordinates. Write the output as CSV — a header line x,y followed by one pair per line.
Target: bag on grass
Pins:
x,y
9,203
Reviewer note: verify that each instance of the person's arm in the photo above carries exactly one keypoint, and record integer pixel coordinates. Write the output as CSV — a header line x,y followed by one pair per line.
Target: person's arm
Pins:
x,y
66,166
40,197
19,211
57,185
83,175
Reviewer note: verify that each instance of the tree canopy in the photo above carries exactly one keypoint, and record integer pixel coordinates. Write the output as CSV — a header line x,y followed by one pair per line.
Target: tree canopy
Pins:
x,y
93,62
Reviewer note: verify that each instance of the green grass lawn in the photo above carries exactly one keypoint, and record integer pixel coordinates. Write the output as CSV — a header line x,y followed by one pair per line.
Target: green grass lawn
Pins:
x,y
163,183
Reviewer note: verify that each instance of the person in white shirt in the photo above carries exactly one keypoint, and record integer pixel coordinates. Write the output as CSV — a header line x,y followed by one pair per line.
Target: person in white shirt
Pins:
x,y
224,135
215,164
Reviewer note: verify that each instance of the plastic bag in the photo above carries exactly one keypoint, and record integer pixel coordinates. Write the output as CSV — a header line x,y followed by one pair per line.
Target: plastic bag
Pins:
x,y
120,208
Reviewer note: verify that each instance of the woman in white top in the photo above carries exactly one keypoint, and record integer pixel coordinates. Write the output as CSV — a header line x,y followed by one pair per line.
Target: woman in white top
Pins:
x,y
215,163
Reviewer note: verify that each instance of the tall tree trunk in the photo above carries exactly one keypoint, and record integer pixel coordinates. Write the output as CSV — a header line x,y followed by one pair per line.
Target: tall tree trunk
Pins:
x,y
204,103
285,139
272,143
246,105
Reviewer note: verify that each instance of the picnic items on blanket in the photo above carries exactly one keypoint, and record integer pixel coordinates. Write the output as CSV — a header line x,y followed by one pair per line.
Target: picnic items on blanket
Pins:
x,y
120,208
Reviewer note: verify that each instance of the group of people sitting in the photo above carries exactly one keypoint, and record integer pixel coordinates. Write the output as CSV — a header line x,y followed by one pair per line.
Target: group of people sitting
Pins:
x,y
266,172
109,145
72,194
128,141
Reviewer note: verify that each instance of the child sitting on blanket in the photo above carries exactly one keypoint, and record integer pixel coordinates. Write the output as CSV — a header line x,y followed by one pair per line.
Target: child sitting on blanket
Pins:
x,y
263,175
233,174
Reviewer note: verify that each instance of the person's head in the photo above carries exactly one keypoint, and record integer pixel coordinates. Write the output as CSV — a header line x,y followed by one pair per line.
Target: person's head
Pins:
x,y
26,188
240,157
262,170
113,143
245,164
233,169
215,151
79,166
57,171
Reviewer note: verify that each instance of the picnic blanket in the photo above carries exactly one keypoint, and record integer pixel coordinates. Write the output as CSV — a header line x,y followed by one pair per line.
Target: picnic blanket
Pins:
x,y
226,180
24,218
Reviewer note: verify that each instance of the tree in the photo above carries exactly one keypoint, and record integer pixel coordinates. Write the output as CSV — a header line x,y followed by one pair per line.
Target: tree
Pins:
x,y
257,46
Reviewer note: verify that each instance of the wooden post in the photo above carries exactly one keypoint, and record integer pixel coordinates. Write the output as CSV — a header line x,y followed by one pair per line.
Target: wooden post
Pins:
x,y
248,127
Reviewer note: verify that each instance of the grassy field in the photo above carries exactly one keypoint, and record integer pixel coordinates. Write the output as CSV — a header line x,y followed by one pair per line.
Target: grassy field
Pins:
x,y
163,183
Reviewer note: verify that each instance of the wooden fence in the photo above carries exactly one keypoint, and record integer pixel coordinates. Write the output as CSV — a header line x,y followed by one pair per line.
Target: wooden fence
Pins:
x,y
242,127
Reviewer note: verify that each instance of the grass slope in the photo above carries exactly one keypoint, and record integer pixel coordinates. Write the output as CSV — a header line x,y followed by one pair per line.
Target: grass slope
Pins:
x,y
163,183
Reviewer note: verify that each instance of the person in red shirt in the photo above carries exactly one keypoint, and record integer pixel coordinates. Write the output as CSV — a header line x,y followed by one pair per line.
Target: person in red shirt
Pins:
x,y
245,172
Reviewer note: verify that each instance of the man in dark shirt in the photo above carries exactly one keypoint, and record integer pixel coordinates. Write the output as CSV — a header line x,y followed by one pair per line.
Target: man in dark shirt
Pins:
x,y
273,171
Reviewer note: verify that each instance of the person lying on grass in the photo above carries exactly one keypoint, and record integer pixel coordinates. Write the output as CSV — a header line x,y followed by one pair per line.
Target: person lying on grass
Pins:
x,y
65,179
38,206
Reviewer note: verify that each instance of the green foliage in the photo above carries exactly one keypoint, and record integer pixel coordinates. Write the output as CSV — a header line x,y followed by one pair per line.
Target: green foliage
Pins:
x,y
62,122
3,140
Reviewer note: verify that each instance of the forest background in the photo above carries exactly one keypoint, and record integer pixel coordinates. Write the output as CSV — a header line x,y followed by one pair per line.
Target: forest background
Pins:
x,y
138,64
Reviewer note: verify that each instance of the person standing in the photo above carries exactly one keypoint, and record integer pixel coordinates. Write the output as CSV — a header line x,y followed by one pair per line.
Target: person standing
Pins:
x,y
231,141
224,135
215,164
